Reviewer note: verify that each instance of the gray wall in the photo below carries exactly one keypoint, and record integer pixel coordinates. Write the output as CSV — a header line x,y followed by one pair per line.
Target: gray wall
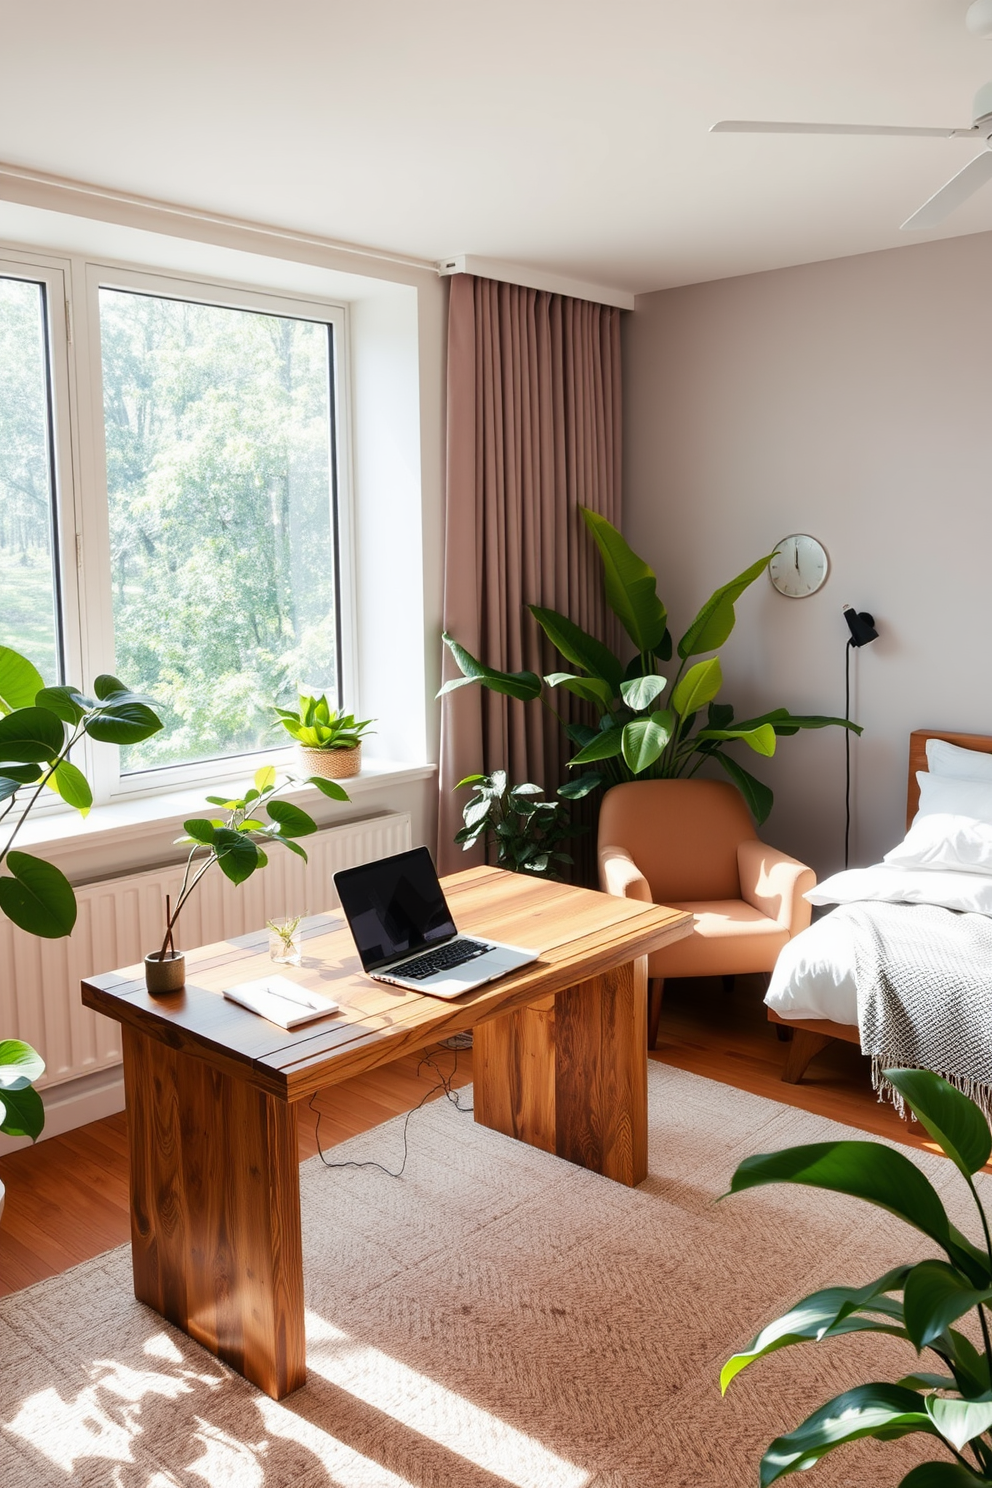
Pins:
x,y
848,399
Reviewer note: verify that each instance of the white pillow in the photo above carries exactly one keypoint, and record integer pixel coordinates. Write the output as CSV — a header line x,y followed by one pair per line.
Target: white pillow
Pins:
x,y
955,843
955,763
942,797
970,892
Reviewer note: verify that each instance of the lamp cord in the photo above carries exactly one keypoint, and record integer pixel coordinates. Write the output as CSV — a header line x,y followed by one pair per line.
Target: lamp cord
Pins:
x,y
847,752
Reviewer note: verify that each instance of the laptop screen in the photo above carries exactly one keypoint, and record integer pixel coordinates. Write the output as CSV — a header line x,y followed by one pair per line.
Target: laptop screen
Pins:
x,y
395,907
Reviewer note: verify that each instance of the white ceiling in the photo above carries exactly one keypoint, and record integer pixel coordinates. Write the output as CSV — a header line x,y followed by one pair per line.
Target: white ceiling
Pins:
x,y
569,135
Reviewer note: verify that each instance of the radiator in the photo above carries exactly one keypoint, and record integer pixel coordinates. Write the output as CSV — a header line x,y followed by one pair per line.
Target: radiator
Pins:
x,y
121,919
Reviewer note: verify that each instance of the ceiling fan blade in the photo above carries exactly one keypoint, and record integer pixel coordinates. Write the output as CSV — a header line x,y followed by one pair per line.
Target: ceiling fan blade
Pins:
x,y
765,126
957,190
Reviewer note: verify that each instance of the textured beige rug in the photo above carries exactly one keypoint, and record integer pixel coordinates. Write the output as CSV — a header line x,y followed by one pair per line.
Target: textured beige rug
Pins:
x,y
495,1317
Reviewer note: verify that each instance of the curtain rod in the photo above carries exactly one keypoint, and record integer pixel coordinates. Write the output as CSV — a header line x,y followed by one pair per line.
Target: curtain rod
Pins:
x,y
86,191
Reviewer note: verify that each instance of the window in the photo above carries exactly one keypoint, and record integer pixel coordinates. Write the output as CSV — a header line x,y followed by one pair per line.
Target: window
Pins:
x,y
29,569
198,500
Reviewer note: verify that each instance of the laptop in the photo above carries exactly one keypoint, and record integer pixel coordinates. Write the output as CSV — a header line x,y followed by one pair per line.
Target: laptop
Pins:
x,y
404,932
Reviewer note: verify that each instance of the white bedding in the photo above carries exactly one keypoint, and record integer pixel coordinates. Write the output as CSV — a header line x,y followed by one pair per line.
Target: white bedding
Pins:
x,y
814,974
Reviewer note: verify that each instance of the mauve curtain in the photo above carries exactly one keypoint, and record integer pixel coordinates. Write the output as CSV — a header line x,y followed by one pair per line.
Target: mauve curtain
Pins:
x,y
533,434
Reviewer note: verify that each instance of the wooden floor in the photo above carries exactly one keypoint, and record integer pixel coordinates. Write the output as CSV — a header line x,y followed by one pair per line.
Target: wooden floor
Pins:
x,y
67,1197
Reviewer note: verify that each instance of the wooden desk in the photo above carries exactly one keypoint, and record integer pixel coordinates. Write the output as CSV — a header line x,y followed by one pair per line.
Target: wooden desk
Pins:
x,y
560,1062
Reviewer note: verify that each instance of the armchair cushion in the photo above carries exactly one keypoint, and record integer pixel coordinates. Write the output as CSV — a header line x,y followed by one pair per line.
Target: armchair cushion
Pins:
x,y
729,937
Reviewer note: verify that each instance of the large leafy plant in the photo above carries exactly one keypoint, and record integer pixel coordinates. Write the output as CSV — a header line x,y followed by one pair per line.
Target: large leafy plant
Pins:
x,y
923,1304
651,726
236,841
316,725
526,830
39,726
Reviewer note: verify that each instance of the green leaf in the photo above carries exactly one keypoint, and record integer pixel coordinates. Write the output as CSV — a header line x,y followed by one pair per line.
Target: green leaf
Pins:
x,y
31,736
105,686
579,647
758,796
236,854
265,778
20,680
760,739
785,723
715,620
294,847
606,745
643,740
200,830
37,898
469,780
521,685
527,789
23,774
581,785
10,783
66,703
959,1421
475,813
641,692
698,687
873,1172
719,716
590,689
71,784
941,1475
955,1122
329,788
22,1113
123,720
631,586
881,1410
936,1296
292,821
20,1065
824,1314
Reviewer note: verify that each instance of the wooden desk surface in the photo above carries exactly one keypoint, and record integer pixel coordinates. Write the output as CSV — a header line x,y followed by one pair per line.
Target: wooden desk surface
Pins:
x,y
573,929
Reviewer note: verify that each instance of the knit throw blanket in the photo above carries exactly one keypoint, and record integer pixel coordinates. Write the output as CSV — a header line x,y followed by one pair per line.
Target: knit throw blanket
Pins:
x,y
924,979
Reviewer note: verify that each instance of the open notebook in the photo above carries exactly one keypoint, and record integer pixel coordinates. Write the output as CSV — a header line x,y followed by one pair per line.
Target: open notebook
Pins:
x,y
281,1001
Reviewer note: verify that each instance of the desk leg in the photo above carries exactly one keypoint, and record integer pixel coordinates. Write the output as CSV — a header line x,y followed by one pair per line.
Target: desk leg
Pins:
x,y
572,1078
215,1211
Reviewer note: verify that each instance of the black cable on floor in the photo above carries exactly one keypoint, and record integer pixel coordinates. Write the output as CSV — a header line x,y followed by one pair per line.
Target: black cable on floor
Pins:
x,y
443,1083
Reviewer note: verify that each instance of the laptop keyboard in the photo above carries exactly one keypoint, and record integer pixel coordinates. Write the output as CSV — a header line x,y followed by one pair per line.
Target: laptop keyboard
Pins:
x,y
445,958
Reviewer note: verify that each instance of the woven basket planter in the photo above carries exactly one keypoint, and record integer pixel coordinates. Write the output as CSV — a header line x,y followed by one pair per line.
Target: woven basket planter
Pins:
x,y
332,764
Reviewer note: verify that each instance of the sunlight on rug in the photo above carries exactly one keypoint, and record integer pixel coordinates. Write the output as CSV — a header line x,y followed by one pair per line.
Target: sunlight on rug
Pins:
x,y
495,1317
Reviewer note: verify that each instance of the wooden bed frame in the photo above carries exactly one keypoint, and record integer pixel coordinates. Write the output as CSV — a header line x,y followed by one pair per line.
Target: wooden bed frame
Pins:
x,y
811,1035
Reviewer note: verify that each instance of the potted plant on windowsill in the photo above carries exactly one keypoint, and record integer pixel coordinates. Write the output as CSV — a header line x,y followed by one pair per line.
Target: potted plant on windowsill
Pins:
x,y
39,726
236,842
329,742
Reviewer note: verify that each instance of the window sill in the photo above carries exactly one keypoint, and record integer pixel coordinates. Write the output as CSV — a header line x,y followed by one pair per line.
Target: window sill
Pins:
x,y
128,821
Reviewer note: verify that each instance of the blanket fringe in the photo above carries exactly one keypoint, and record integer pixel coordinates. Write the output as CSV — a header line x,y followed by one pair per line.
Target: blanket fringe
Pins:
x,y
973,1089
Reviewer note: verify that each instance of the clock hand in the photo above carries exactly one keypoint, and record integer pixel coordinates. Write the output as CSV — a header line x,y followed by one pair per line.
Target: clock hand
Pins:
x,y
796,552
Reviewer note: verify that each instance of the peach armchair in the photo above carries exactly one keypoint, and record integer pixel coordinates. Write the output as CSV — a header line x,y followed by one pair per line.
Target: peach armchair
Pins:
x,y
690,844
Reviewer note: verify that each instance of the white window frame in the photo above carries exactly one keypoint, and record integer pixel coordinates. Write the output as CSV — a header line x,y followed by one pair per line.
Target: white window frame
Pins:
x,y
82,500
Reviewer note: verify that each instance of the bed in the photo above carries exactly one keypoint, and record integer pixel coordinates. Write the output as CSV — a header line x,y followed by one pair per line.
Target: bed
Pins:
x,y
813,993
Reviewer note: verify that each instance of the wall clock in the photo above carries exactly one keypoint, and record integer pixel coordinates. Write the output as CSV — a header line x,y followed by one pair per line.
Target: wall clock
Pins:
x,y
799,567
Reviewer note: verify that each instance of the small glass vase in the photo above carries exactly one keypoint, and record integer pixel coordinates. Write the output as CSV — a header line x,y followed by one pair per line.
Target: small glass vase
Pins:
x,y
286,943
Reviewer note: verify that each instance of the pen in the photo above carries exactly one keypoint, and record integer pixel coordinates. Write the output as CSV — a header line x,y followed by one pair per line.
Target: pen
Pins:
x,y
300,998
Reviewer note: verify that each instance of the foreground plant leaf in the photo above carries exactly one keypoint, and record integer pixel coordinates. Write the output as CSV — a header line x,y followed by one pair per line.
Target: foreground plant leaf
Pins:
x,y
880,1410
936,1296
878,1174
954,1122
826,1313
521,685
37,897
20,680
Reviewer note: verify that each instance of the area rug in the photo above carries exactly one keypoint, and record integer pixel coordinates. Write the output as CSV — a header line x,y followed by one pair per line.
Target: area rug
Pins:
x,y
496,1316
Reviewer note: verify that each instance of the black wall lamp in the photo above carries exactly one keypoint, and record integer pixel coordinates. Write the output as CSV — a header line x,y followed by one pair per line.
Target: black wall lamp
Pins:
x,y
863,632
